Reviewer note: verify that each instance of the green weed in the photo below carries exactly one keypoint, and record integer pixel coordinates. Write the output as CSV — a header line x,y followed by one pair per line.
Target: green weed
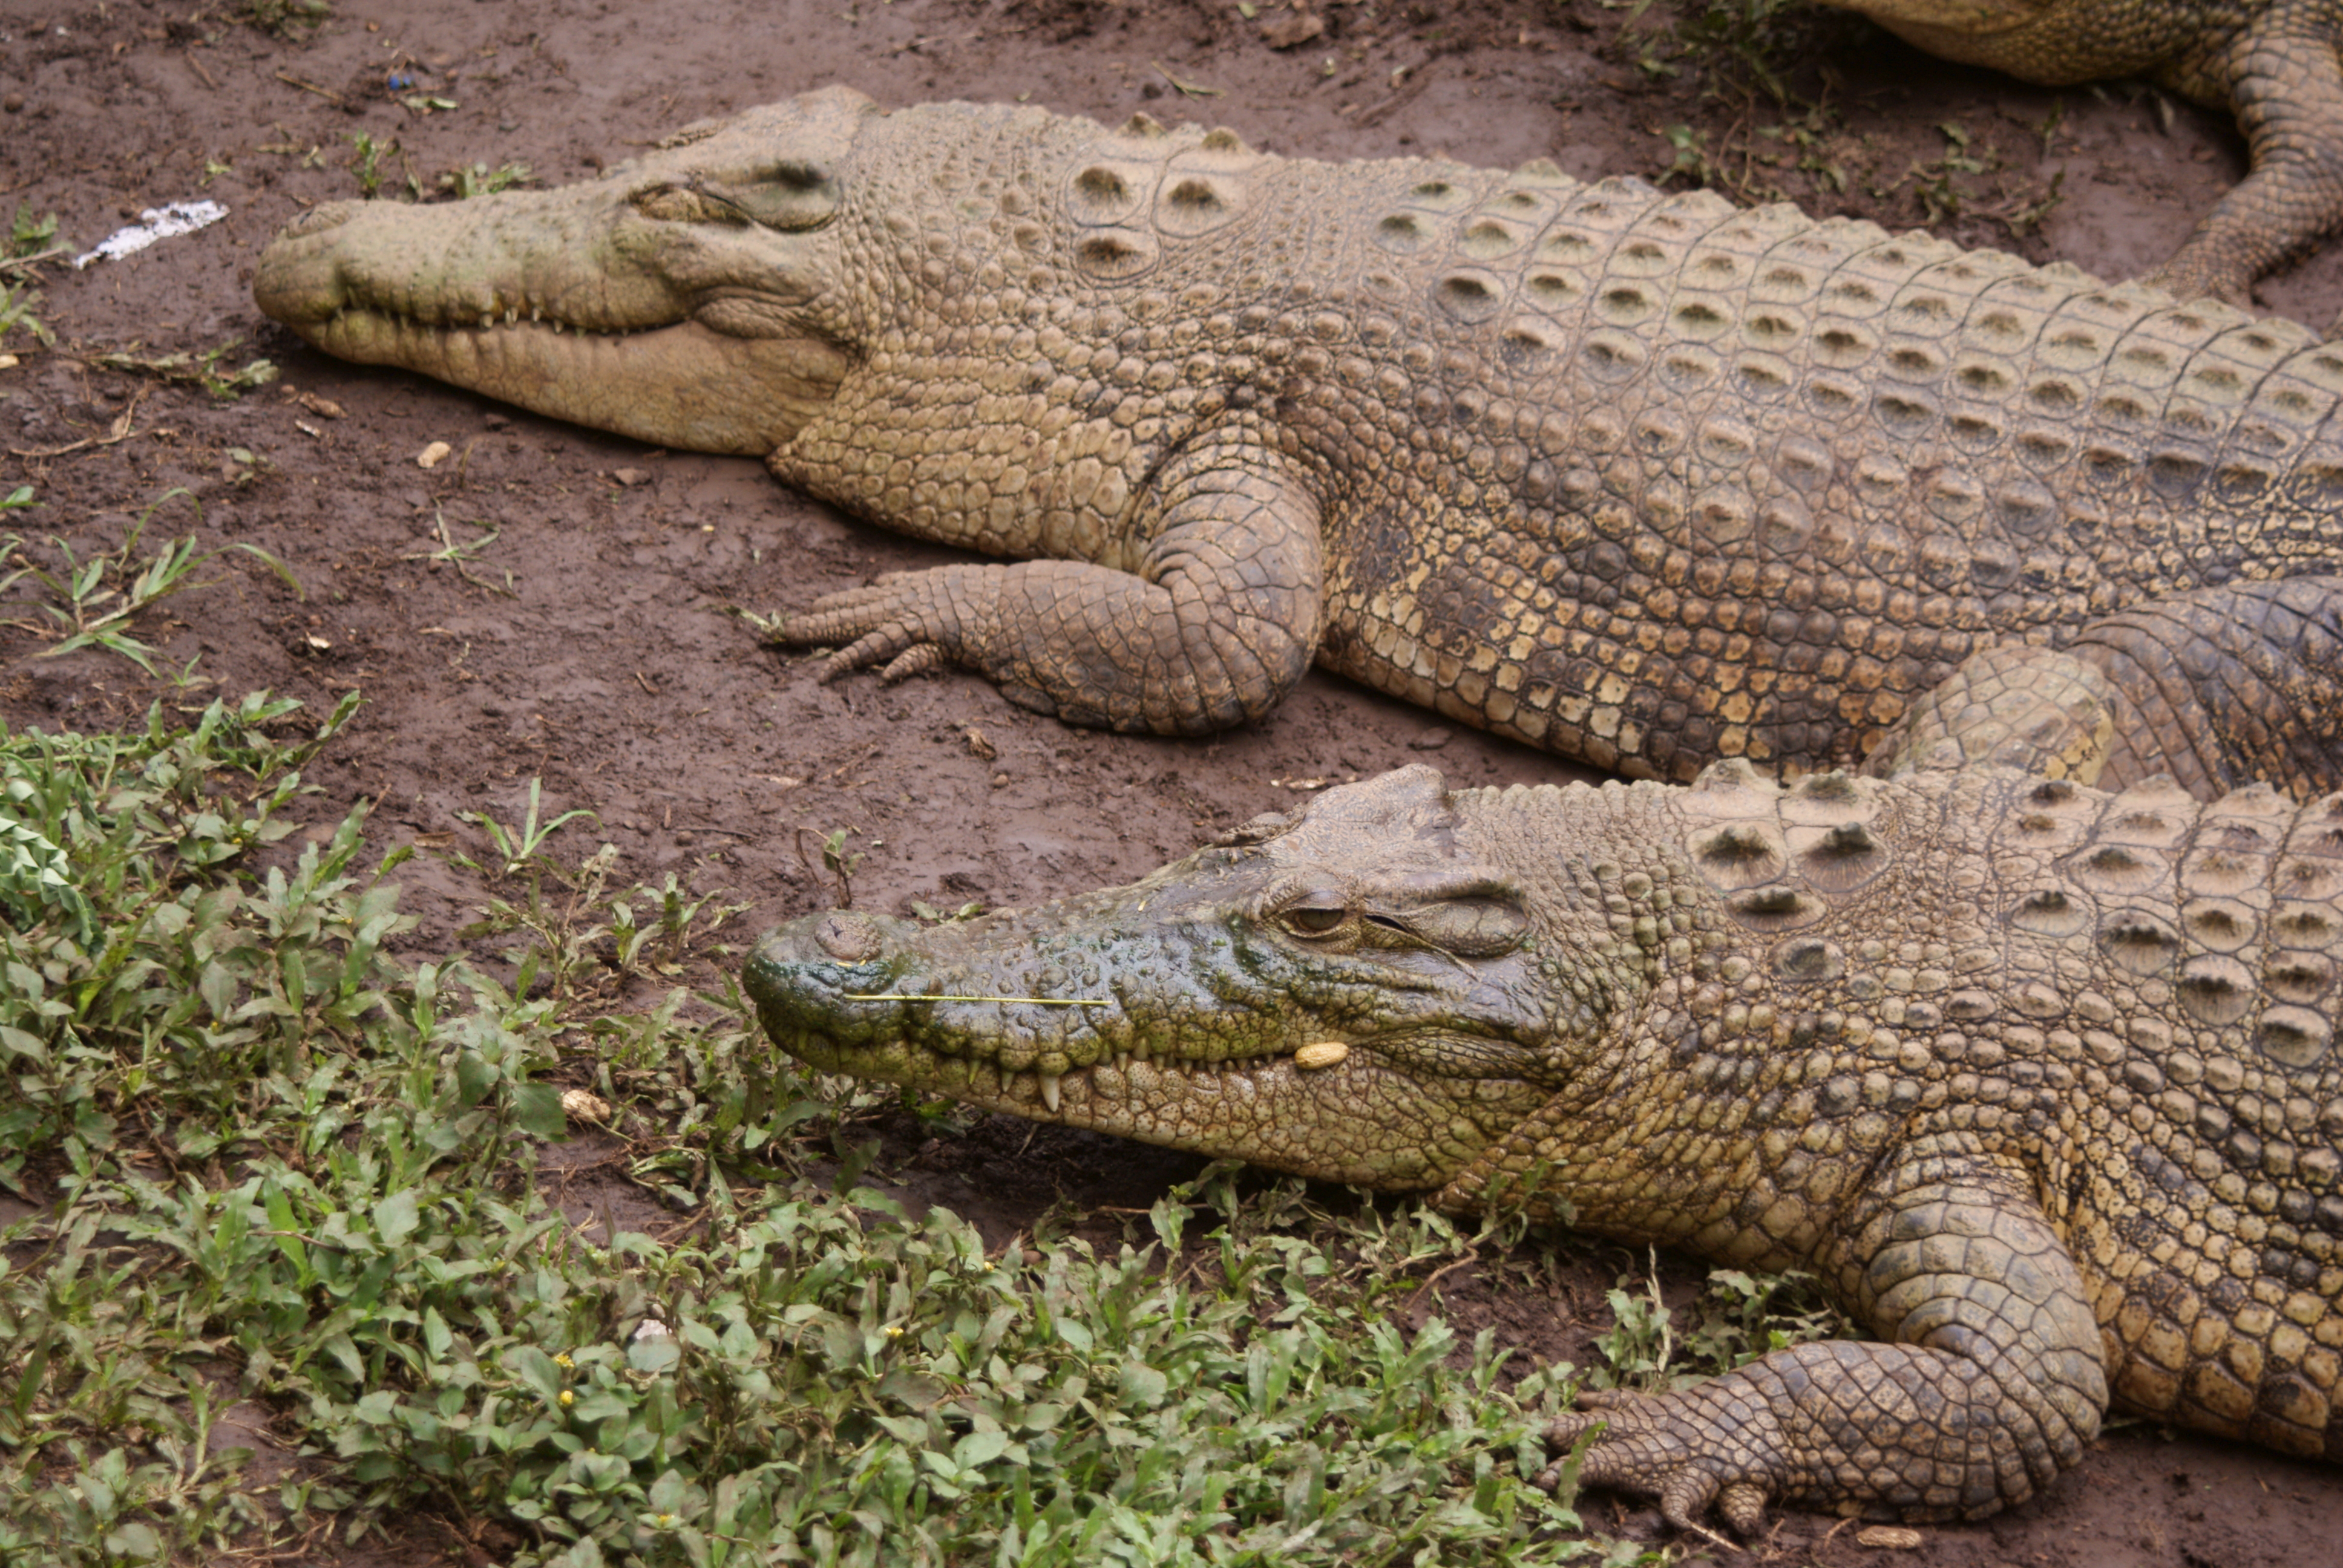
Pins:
x,y
289,20
90,603
205,368
286,1179
1739,1317
479,179
834,860
31,241
1949,185
366,162
464,555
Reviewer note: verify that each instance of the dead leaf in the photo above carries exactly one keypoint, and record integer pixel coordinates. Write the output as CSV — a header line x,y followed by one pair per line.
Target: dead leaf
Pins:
x,y
633,476
1893,1537
977,744
324,408
1287,28
431,456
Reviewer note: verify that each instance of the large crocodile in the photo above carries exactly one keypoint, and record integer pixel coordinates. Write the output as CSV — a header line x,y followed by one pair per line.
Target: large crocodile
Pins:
x,y
1644,478
2275,63
2041,1082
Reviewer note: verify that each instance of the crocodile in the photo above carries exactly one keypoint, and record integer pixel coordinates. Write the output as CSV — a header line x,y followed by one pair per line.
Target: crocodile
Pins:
x,y
2039,1082
2274,64
1644,478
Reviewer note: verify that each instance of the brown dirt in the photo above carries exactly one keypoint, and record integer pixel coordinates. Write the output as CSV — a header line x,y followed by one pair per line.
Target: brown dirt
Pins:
x,y
587,645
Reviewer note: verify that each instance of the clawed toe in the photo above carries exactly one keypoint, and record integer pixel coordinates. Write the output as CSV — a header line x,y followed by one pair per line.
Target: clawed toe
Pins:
x,y
1744,1507
1615,1448
919,658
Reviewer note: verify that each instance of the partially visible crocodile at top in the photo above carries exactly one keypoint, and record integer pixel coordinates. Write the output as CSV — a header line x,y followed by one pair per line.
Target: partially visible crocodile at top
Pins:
x,y
2274,64
2041,1083
1640,478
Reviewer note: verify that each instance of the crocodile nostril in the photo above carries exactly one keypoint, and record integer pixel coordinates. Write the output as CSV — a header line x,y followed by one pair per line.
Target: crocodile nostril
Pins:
x,y
321,217
849,939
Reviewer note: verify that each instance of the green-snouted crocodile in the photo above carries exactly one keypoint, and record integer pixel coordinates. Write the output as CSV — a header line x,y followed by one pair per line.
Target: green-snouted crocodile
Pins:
x,y
2274,64
1640,478
2041,1082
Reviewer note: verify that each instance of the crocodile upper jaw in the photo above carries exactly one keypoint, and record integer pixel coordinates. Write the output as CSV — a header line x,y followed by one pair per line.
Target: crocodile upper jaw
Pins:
x,y
651,358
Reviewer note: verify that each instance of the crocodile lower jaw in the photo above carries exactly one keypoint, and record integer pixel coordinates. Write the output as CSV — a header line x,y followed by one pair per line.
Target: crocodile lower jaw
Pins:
x,y
1112,1095
682,385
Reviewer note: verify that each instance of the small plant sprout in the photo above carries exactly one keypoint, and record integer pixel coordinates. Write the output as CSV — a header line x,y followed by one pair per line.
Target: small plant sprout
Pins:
x,y
31,241
479,179
834,860
90,603
462,556
205,368
1640,1345
367,161
523,845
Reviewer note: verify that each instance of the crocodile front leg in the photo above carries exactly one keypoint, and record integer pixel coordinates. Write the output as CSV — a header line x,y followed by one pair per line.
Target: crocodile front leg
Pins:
x,y
1991,1381
2288,90
1215,626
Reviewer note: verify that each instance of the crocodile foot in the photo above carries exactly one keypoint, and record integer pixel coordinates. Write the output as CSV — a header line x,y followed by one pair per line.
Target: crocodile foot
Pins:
x,y
899,624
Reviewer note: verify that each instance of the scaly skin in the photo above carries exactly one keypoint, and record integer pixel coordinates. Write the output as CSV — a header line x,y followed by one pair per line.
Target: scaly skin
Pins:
x,y
2039,1081
2272,63
1639,477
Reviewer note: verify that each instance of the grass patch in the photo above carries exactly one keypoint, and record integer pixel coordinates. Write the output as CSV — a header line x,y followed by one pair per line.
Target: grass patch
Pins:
x,y
285,1183
91,603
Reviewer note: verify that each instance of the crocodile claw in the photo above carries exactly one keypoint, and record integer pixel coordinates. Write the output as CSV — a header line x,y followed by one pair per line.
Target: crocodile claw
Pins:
x,y
1653,1445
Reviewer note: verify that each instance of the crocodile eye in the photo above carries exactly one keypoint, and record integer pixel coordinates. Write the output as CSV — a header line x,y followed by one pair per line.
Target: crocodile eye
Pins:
x,y
791,196
1483,927
1315,919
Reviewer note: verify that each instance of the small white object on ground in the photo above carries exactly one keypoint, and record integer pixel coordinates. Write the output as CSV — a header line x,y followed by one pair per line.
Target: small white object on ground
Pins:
x,y
585,1105
430,456
161,223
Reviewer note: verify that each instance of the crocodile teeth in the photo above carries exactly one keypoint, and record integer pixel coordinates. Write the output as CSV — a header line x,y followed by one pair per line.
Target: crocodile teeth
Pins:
x,y
486,321
1324,1053
1049,1091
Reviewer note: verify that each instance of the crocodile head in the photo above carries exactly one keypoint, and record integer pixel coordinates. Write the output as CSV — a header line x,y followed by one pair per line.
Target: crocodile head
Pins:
x,y
1359,992
684,298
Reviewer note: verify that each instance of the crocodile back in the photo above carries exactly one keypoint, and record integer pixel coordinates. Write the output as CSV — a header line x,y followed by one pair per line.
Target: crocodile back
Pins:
x,y
1634,475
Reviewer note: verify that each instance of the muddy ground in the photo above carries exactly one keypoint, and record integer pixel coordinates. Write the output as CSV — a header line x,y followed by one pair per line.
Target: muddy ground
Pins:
x,y
585,642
